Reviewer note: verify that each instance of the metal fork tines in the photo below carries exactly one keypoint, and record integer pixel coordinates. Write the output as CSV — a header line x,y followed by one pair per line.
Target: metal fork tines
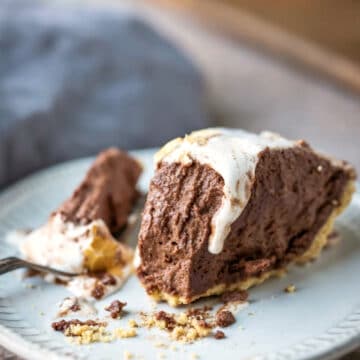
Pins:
x,y
12,263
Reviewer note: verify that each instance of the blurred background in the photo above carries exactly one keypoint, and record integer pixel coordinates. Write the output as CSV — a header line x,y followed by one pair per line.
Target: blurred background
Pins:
x,y
79,76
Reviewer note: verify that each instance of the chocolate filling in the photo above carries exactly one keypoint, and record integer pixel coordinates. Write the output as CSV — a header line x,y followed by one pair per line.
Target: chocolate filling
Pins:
x,y
108,191
176,223
292,195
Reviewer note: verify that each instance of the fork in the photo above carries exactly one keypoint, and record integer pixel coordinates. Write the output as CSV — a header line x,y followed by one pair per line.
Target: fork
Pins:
x,y
12,263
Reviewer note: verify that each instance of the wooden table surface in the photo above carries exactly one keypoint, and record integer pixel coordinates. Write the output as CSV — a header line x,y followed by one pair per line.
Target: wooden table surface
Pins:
x,y
329,23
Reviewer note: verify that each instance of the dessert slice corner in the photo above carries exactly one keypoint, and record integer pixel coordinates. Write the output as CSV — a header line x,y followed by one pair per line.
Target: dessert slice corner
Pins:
x,y
227,209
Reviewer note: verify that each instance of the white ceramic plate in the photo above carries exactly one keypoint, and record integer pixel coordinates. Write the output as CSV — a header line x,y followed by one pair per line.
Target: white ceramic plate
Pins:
x,y
321,320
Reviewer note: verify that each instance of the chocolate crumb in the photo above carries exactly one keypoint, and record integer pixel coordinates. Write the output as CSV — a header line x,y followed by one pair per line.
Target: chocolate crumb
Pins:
x,y
75,306
98,291
219,335
108,279
32,273
169,320
224,318
235,296
204,324
116,308
62,325
290,289
60,281
199,313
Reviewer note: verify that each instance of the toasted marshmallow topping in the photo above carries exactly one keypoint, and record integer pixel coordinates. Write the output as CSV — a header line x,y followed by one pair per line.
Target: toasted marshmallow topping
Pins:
x,y
71,305
233,154
137,258
59,244
79,249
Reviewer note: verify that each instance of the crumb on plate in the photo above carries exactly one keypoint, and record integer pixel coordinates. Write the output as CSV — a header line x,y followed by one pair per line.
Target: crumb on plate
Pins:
x,y
290,288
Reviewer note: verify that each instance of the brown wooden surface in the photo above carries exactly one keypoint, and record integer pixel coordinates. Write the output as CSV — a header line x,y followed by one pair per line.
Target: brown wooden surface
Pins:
x,y
258,30
333,24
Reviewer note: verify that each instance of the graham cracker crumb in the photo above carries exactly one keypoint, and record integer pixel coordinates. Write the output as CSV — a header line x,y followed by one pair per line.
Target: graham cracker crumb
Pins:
x,y
87,334
62,325
282,273
133,324
290,289
160,344
90,331
182,319
185,327
121,333
128,355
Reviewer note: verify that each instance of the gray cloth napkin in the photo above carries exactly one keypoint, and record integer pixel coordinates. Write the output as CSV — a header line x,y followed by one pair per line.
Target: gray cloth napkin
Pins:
x,y
76,80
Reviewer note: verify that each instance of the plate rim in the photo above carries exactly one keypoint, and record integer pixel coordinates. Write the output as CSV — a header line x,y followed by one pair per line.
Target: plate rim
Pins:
x,y
333,348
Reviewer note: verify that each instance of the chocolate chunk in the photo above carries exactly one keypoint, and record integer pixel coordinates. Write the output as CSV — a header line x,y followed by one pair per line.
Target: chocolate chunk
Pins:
x,y
61,325
224,318
108,191
98,291
235,296
219,335
116,308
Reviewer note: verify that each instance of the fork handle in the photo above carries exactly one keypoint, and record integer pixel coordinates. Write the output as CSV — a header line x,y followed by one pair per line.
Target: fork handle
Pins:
x,y
10,263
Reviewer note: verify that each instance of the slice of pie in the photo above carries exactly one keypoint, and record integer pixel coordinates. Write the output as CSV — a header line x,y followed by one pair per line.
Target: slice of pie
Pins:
x,y
227,209
79,236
